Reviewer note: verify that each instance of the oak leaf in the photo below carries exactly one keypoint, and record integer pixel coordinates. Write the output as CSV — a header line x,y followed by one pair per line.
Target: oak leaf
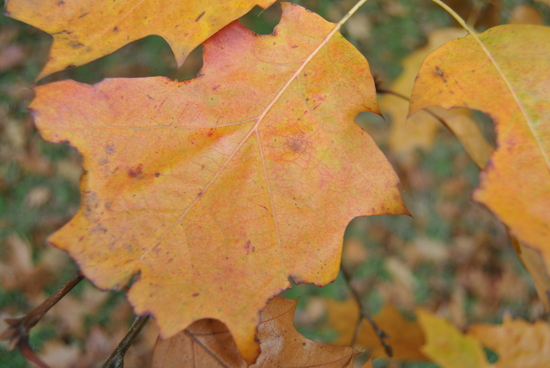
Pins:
x,y
517,342
480,151
405,337
447,346
218,189
506,75
208,343
84,31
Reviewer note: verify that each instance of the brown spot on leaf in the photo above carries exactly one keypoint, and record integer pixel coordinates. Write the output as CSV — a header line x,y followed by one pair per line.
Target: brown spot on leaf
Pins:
x,y
115,29
441,74
91,202
195,295
248,247
134,173
75,44
109,148
297,144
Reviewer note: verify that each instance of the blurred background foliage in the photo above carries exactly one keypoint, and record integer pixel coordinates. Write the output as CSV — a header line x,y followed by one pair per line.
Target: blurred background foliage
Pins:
x,y
453,257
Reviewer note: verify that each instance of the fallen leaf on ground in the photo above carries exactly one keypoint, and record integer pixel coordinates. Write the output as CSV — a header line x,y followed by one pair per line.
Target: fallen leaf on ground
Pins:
x,y
507,79
447,346
405,337
368,364
525,14
518,343
84,31
208,343
218,189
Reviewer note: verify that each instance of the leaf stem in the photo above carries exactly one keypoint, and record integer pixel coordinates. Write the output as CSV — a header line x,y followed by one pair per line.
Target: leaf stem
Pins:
x,y
363,313
396,94
19,328
116,359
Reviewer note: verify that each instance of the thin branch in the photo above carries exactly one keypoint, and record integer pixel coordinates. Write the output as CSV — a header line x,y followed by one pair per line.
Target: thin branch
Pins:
x,y
427,110
474,14
116,359
363,313
18,331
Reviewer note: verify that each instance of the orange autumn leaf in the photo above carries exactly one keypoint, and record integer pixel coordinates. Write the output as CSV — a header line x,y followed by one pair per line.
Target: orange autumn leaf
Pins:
x,y
84,31
475,144
405,337
419,130
508,78
447,346
517,342
208,343
218,189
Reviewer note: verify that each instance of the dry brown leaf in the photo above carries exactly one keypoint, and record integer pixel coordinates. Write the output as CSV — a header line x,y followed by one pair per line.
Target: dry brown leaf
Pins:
x,y
12,56
525,14
208,343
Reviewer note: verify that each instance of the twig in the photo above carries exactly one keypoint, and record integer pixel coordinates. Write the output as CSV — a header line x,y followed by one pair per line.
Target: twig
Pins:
x,y
363,313
18,331
396,94
116,359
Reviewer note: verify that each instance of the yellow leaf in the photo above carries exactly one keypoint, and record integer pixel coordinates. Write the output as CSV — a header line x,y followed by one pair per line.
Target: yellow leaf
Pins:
x,y
447,346
517,342
508,79
405,337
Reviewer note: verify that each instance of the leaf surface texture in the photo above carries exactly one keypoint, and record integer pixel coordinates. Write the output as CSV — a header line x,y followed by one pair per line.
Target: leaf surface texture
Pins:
x,y
86,30
218,189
